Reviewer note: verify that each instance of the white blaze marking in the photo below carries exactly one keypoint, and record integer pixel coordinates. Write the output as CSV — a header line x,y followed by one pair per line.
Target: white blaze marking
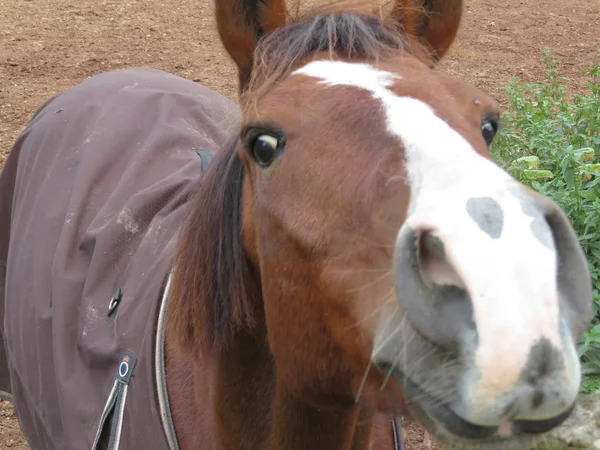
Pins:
x,y
512,279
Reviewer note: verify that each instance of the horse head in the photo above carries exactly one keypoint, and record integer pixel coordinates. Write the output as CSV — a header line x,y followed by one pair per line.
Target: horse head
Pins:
x,y
388,258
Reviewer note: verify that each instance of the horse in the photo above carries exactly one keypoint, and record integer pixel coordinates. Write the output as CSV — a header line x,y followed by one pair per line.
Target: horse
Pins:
x,y
297,271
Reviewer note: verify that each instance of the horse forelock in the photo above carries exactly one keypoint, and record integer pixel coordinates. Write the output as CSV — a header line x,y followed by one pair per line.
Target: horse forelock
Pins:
x,y
348,34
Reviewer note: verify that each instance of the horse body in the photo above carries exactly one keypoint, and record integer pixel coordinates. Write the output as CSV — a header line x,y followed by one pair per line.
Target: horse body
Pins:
x,y
350,255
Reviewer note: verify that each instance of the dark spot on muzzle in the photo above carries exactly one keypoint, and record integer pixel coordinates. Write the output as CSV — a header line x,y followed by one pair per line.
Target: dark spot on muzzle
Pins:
x,y
544,361
552,228
540,230
539,226
488,214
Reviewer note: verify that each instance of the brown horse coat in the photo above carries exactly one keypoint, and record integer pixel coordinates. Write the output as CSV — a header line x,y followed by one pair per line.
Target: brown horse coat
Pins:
x,y
105,195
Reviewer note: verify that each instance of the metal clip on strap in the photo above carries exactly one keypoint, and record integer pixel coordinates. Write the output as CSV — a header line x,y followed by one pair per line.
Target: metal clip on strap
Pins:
x,y
398,435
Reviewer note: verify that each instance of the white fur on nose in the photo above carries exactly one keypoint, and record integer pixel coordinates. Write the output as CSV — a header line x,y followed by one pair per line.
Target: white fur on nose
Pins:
x,y
508,270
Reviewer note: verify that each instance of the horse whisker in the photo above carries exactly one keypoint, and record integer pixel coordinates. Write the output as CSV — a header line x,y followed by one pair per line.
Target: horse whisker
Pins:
x,y
362,383
386,299
387,339
371,283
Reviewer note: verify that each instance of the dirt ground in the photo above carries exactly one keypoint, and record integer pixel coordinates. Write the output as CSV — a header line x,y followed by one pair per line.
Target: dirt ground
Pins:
x,y
48,45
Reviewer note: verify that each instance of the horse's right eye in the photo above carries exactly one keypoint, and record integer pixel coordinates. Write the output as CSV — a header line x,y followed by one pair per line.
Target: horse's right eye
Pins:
x,y
264,149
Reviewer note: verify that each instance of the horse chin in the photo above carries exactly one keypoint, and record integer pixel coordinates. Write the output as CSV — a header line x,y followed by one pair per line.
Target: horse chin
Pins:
x,y
450,430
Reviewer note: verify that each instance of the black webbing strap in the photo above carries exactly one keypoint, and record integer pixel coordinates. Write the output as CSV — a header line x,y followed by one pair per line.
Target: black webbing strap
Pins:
x,y
115,403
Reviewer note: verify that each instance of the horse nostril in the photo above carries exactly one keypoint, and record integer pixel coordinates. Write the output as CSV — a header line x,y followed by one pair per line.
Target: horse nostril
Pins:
x,y
433,264
537,400
429,289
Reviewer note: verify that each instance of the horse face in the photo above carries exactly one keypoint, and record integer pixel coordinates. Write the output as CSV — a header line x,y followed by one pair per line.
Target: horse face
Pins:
x,y
394,253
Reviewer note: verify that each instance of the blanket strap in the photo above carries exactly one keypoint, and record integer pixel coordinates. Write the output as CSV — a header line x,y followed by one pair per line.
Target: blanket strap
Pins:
x,y
115,403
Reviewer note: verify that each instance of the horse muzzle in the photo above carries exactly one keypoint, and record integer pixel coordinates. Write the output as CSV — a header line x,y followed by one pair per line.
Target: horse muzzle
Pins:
x,y
483,345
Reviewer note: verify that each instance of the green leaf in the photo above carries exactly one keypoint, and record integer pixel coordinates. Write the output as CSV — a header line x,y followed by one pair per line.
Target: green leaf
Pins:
x,y
569,174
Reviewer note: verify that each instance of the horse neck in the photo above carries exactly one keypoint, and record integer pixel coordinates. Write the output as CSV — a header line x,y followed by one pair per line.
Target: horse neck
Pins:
x,y
249,409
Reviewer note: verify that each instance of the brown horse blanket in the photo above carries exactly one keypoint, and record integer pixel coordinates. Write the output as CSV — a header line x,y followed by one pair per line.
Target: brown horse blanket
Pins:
x,y
91,200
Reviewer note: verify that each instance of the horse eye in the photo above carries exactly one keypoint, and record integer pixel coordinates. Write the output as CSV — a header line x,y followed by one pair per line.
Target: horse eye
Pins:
x,y
264,148
489,128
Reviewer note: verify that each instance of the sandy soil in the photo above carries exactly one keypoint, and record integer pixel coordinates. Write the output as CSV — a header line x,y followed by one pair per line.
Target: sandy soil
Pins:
x,y
47,46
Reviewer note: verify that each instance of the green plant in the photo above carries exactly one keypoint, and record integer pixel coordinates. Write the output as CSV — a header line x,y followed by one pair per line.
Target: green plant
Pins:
x,y
552,143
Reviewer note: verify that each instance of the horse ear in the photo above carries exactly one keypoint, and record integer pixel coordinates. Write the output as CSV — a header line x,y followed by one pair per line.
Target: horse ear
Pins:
x,y
241,23
432,22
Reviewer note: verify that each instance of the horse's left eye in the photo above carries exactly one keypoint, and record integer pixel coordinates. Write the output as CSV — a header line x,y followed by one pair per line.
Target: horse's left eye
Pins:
x,y
489,128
